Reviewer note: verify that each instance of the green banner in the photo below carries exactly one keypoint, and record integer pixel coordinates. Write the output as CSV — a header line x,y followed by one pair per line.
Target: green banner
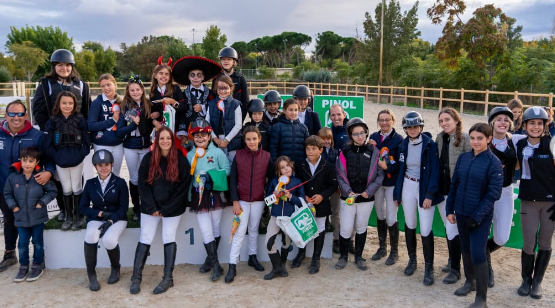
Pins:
x,y
515,239
353,105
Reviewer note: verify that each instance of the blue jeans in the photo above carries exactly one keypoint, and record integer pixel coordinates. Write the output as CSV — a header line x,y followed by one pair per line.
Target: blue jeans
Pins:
x,y
25,234
474,241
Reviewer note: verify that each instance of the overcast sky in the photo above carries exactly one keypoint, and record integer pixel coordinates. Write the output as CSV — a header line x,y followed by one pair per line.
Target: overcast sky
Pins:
x,y
112,22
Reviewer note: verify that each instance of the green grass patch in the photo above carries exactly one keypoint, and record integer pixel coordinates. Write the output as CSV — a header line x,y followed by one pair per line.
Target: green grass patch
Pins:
x,y
53,224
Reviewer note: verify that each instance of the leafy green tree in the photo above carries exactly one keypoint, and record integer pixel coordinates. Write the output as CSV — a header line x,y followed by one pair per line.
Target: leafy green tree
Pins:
x,y
85,64
242,49
48,39
398,33
5,74
141,58
92,46
28,57
105,61
212,42
328,46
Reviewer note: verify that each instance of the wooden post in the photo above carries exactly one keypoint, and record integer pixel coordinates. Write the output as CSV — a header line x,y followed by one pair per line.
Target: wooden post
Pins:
x,y
336,89
440,98
462,101
421,97
14,88
391,95
28,103
405,99
486,103
329,88
550,100
516,94
366,93
379,94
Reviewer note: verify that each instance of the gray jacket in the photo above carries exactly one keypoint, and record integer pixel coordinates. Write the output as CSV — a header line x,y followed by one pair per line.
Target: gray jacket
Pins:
x,y
454,151
18,192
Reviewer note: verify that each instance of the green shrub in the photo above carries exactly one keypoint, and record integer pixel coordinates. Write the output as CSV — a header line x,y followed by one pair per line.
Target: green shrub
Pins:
x,y
5,75
321,75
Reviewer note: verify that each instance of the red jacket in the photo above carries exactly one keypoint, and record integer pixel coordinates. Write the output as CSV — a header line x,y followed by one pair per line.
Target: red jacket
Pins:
x,y
251,167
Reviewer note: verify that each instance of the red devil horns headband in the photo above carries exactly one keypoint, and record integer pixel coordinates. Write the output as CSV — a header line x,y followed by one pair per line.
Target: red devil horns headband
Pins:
x,y
169,61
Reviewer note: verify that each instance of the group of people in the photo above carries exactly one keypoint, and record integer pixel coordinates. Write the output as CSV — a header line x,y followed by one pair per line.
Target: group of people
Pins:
x,y
207,158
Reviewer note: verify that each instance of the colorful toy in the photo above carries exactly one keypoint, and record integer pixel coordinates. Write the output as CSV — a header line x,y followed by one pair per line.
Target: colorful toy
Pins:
x,y
351,199
201,180
234,226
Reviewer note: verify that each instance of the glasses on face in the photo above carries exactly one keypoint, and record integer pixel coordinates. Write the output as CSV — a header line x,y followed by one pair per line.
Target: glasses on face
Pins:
x,y
13,114
198,75
384,120
223,88
361,134
200,135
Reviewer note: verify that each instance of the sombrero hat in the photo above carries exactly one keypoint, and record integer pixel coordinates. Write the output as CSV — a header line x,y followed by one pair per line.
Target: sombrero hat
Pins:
x,y
183,66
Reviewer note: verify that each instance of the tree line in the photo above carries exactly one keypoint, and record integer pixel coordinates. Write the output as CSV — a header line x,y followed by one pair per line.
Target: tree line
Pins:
x,y
484,52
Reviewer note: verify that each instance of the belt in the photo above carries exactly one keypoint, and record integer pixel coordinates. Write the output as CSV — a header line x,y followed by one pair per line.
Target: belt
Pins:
x,y
412,179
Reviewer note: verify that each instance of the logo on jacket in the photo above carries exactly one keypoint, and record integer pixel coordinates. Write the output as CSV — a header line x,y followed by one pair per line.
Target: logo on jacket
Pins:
x,y
1,145
402,157
16,185
210,159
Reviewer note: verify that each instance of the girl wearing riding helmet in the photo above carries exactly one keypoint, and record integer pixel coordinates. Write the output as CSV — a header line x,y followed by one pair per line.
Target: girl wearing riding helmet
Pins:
x,y
359,177
163,90
476,185
107,218
417,188
209,168
228,60
138,118
503,146
192,72
387,141
224,115
303,96
537,211
451,143
103,118
62,77
247,180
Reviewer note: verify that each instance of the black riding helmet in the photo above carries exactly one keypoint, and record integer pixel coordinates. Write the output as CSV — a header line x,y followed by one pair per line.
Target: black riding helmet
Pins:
x,y
301,91
228,52
62,55
272,96
535,113
102,156
256,105
412,118
500,110
354,122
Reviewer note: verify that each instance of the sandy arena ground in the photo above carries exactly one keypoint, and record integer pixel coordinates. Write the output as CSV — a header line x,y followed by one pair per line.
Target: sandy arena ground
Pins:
x,y
380,286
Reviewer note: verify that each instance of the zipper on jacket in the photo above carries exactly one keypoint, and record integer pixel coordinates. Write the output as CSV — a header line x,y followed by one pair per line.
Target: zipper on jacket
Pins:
x,y
26,201
252,167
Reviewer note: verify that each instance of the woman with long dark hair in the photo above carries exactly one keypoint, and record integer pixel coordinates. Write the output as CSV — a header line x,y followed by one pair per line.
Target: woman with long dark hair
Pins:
x,y
163,181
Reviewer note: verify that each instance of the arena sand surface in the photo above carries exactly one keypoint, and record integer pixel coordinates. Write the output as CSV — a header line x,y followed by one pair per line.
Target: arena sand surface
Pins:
x,y
380,286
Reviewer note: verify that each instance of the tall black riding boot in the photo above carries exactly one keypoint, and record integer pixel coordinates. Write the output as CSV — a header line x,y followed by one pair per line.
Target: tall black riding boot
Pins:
x,y
343,252
68,202
527,263
212,251
277,267
207,265
284,252
482,273
428,245
114,256
231,273
394,242
136,200
470,278
78,218
491,247
360,241
542,261
141,253
455,257
410,237
447,268
170,251
90,261
60,200
318,245
299,258
382,237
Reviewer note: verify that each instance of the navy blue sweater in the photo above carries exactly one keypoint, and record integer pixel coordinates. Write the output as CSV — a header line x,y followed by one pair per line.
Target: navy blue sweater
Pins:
x,y
392,142
114,199
429,171
476,185
100,122
340,136
286,208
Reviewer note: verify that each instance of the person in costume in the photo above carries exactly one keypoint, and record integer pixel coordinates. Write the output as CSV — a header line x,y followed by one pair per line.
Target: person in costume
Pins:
x,y
193,72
